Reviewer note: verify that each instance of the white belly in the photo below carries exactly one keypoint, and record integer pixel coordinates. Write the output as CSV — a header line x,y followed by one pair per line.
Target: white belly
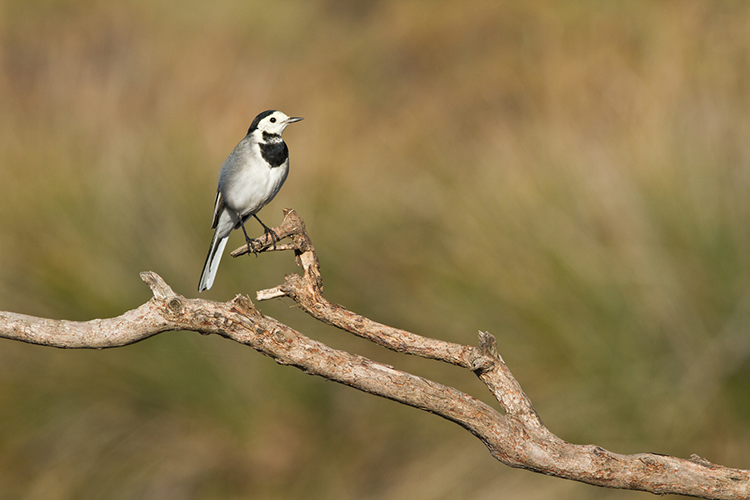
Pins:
x,y
252,189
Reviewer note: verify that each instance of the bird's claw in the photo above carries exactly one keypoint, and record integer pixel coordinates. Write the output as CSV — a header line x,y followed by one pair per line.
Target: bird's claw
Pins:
x,y
268,232
251,247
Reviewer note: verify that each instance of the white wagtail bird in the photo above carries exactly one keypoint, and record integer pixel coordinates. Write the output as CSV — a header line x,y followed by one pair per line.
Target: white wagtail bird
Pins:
x,y
250,178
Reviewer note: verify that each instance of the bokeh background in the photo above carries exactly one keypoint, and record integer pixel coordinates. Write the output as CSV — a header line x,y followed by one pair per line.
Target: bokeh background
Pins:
x,y
573,177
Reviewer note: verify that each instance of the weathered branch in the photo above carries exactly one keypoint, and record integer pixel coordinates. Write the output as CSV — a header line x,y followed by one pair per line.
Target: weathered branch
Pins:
x,y
517,438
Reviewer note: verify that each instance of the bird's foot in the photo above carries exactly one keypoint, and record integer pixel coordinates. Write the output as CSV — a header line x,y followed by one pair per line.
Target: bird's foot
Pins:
x,y
268,233
249,241
251,246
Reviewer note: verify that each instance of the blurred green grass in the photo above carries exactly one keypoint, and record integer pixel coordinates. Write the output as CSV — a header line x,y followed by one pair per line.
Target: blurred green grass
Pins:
x,y
572,177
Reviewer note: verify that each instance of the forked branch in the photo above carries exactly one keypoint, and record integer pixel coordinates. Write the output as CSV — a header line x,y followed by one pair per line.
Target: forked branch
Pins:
x,y
517,438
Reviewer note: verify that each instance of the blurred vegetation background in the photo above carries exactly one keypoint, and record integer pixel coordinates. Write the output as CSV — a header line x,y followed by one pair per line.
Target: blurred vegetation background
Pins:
x,y
573,177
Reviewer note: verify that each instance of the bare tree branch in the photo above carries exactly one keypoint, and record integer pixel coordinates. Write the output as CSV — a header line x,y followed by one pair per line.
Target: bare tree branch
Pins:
x,y
517,438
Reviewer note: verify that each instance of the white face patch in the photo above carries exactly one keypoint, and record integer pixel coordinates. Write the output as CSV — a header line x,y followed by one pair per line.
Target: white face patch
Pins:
x,y
273,124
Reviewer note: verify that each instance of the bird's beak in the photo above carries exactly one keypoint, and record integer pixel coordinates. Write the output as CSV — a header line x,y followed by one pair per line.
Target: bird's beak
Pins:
x,y
293,119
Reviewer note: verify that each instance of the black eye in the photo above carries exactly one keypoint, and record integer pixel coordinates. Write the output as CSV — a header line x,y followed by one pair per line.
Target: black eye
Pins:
x,y
273,120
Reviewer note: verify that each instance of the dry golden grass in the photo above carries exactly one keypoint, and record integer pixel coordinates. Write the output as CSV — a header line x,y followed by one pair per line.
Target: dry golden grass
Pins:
x,y
572,177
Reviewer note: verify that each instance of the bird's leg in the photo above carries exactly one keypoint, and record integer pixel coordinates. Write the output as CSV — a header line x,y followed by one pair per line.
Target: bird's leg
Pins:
x,y
248,240
268,231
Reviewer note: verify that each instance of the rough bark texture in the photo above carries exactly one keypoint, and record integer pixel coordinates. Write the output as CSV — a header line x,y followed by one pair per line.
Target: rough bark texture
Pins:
x,y
517,438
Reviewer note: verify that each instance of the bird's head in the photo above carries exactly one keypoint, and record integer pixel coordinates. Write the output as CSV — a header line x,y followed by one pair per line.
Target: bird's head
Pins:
x,y
272,122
